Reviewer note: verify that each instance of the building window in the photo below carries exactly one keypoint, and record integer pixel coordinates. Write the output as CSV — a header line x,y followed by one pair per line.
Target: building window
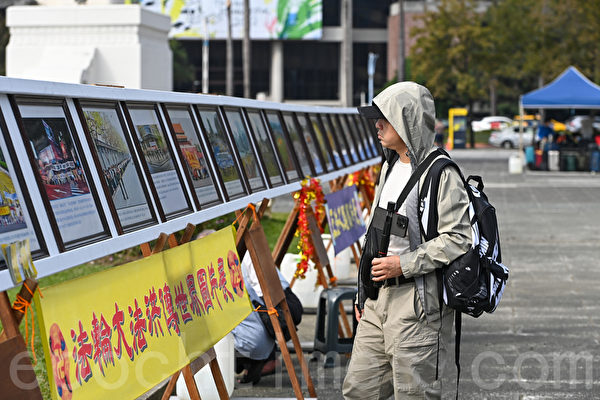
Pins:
x,y
370,13
311,70
260,68
331,12
360,57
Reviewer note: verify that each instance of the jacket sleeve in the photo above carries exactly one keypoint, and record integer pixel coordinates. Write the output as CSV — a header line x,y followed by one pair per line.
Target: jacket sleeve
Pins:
x,y
453,227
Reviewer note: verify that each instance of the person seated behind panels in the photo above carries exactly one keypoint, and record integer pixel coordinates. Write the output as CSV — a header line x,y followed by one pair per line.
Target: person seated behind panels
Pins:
x,y
251,338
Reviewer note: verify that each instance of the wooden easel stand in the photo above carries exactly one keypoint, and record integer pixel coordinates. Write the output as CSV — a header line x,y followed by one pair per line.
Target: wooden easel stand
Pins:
x,y
210,356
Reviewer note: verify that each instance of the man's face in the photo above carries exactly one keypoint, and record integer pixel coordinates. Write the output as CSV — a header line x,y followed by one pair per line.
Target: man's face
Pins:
x,y
387,135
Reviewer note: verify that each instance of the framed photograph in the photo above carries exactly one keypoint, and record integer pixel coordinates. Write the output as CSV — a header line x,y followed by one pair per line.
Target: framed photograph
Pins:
x,y
62,172
339,139
193,154
158,160
350,126
245,148
366,137
17,221
346,136
371,132
113,155
317,152
288,157
299,145
221,152
266,150
327,140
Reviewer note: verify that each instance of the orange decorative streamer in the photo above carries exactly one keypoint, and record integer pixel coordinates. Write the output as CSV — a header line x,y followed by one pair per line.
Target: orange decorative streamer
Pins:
x,y
311,191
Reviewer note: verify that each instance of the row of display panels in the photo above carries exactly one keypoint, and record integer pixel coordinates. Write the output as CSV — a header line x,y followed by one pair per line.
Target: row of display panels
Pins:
x,y
88,171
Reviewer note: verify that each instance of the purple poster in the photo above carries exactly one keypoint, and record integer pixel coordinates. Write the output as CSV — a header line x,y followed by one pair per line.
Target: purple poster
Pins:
x,y
344,216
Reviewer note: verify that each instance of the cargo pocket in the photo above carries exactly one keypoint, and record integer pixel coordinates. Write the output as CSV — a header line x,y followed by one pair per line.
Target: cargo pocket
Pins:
x,y
414,364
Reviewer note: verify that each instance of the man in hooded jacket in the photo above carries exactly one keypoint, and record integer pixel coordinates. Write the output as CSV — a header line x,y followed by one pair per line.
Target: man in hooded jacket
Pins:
x,y
401,341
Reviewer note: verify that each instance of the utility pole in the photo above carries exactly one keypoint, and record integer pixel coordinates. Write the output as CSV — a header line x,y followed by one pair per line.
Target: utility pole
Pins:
x,y
247,50
401,41
229,55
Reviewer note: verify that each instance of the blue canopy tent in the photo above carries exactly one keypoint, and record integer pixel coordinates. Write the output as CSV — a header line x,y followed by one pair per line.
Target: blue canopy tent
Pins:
x,y
571,89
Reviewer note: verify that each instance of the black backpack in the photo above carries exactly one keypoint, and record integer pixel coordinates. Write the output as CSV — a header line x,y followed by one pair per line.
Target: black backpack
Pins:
x,y
474,282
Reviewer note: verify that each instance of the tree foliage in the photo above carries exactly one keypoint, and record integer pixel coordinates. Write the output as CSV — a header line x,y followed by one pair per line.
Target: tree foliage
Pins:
x,y
514,46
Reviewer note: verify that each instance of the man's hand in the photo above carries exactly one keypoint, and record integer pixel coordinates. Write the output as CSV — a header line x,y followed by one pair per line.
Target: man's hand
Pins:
x,y
386,267
357,313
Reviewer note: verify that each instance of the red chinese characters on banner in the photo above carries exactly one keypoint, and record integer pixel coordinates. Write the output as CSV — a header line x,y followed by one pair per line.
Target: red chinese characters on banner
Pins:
x,y
99,348
195,303
169,311
181,302
214,285
153,313
101,334
137,327
82,353
203,285
117,322
223,280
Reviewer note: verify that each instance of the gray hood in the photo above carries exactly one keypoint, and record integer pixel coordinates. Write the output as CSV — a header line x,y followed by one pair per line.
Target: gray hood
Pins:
x,y
409,107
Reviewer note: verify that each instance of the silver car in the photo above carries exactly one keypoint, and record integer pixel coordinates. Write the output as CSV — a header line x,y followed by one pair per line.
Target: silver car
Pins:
x,y
508,138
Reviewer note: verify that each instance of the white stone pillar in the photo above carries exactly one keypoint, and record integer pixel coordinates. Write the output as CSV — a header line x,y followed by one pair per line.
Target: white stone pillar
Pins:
x,y
276,71
122,45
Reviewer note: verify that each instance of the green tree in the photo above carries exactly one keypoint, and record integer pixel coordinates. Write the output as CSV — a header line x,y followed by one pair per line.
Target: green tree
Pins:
x,y
184,73
452,52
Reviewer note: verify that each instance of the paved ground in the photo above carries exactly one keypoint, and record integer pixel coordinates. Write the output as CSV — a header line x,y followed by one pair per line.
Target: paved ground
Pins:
x,y
543,342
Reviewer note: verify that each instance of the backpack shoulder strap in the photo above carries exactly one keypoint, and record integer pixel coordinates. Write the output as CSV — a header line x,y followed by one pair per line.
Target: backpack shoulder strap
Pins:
x,y
431,190
416,175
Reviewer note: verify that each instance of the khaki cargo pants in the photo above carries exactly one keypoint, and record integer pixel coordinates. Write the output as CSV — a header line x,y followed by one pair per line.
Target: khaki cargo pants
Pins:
x,y
395,349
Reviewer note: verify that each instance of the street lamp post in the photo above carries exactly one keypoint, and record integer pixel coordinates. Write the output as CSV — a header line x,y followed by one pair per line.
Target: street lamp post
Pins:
x,y
371,71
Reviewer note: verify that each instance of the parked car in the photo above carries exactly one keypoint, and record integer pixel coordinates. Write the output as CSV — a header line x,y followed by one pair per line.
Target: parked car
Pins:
x,y
574,123
508,138
491,123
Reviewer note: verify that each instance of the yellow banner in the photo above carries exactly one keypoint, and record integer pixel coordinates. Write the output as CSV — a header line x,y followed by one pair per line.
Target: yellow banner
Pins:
x,y
122,331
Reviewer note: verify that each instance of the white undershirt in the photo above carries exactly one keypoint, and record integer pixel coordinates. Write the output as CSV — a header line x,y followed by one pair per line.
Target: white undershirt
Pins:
x,y
395,182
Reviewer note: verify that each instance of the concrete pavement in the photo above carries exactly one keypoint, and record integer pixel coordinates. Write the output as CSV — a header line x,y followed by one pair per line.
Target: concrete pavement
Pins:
x,y
543,341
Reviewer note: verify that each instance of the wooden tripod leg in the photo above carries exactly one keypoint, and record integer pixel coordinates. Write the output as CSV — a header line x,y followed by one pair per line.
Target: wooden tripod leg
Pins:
x,y
218,377
298,347
190,383
170,386
9,322
285,353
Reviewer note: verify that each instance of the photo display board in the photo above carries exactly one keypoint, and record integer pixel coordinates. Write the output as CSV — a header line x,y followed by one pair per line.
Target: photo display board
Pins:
x,y
346,137
193,154
312,144
16,220
222,152
324,144
299,146
265,147
115,159
245,149
284,146
61,172
89,171
353,134
158,159
340,141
